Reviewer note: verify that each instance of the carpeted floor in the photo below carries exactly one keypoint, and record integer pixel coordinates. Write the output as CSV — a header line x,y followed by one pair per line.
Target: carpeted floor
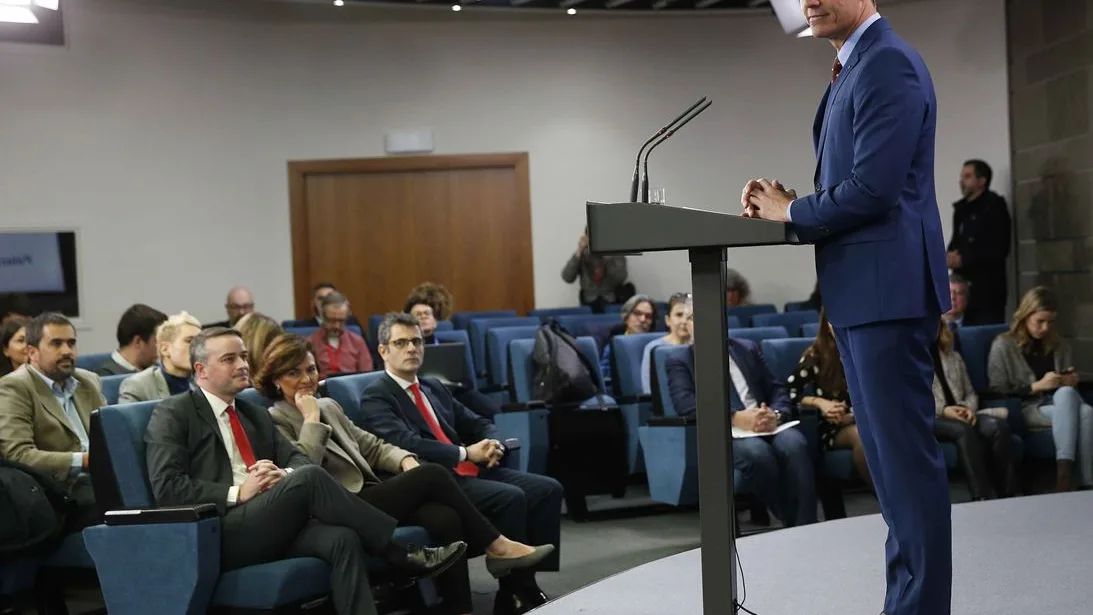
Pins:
x,y
594,550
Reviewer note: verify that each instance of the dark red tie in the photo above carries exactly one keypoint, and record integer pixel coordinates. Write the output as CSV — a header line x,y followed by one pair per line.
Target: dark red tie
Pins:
x,y
241,441
464,468
836,68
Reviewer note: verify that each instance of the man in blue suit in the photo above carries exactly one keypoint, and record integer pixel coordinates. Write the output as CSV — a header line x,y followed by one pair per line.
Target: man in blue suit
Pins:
x,y
421,416
880,259
777,469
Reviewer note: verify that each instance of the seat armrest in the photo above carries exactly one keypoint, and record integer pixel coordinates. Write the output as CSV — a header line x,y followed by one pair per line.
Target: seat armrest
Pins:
x,y
153,516
672,421
531,405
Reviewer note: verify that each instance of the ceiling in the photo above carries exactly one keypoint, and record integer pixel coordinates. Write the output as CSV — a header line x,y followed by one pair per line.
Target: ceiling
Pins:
x,y
597,5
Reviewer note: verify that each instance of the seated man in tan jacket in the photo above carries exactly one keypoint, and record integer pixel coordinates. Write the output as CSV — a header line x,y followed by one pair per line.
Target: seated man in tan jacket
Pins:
x,y
45,412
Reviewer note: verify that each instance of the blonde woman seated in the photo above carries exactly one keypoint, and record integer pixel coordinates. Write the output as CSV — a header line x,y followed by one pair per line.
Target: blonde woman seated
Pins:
x,y
417,494
171,375
1031,362
258,331
819,382
982,439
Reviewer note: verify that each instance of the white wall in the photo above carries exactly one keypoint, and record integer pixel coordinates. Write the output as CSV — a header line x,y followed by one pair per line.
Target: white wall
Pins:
x,y
163,134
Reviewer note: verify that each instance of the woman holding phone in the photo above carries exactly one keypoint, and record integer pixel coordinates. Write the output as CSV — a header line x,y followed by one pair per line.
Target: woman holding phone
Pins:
x,y
1032,362
417,494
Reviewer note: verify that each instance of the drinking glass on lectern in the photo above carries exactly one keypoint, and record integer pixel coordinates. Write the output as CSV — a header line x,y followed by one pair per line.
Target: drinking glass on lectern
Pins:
x,y
656,196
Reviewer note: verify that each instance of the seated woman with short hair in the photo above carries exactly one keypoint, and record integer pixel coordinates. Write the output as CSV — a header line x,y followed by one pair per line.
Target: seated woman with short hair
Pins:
x,y
418,494
680,320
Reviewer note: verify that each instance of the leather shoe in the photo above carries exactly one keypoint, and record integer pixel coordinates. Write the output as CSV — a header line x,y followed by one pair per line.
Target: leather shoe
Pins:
x,y
428,562
519,602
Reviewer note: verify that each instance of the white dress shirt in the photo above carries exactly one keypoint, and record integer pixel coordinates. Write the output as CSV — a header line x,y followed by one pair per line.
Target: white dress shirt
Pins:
x,y
239,468
741,385
122,361
406,384
844,56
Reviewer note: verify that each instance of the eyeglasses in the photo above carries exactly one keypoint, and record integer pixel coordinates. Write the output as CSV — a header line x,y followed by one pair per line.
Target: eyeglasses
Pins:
x,y
240,306
642,315
401,344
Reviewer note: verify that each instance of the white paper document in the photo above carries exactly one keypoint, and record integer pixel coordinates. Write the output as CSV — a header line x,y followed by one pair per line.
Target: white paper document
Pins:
x,y
747,433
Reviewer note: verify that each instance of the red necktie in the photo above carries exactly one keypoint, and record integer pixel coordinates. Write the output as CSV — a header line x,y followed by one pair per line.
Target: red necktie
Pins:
x,y
597,272
464,468
241,441
334,365
836,68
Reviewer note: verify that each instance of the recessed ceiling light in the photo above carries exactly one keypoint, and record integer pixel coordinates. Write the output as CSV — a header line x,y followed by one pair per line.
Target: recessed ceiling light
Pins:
x,y
457,8
571,11
339,2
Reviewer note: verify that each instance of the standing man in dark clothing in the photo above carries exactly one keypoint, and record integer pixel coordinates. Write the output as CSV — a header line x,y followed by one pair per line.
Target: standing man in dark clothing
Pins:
x,y
981,243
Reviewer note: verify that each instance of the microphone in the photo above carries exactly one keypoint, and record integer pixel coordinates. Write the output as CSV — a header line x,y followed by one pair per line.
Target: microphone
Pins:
x,y
637,163
668,135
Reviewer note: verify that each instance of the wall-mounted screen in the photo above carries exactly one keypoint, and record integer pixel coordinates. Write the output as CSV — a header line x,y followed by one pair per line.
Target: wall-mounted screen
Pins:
x,y
38,272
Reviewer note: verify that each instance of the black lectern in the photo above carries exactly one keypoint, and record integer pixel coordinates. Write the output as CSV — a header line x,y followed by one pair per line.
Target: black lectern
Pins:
x,y
631,228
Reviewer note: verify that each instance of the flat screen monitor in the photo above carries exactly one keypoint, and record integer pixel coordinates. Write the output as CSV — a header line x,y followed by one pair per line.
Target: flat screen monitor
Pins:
x,y
38,272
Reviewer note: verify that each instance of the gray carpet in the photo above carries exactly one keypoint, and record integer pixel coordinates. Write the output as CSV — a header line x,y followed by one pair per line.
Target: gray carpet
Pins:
x,y
1011,557
593,550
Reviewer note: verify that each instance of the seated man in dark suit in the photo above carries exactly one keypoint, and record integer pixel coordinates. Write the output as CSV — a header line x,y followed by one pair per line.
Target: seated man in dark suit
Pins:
x,y
777,469
137,348
205,446
420,415
318,293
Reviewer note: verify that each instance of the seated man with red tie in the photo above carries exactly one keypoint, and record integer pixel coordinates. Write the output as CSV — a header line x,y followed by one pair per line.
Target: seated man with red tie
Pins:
x,y
420,416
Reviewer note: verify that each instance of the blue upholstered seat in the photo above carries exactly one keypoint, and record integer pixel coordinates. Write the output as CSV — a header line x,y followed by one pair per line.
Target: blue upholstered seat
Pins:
x,y
810,329
796,306
347,391
462,320
758,334
477,331
92,360
792,321
636,406
546,313
497,349
588,324
111,386
746,312
253,396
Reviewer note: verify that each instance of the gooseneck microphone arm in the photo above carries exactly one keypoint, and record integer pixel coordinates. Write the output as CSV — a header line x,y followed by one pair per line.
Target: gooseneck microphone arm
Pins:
x,y
667,135
662,131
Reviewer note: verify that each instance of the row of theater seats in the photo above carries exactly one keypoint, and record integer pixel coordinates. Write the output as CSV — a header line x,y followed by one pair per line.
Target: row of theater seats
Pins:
x,y
177,552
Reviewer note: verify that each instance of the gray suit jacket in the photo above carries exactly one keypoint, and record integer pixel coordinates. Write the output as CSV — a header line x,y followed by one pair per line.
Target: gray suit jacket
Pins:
x,y
34,430
148,385
346,451
1010,375
110,367
956,374
187,461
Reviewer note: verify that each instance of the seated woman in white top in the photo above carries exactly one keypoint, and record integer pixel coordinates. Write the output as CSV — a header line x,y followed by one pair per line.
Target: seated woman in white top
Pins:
x,y
680,320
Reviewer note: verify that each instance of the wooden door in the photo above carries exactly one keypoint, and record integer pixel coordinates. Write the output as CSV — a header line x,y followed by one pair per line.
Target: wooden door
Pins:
x,y
377,227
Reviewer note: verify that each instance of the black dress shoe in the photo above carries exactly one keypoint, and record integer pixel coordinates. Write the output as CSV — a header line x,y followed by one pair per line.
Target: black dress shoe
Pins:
x,y
427,562
510,602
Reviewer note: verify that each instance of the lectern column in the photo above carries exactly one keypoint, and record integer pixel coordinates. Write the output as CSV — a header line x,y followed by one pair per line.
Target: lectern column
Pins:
x,y
715,468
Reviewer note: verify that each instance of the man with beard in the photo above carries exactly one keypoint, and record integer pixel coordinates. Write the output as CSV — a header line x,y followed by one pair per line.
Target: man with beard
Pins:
x,y
45,412
981,244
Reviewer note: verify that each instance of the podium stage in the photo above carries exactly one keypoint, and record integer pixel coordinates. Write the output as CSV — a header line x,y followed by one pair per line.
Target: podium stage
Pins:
x,y
1018,556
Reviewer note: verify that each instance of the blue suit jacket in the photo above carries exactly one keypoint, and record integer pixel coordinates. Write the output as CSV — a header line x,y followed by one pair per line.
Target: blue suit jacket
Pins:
x,y
746,354
391,414
880,254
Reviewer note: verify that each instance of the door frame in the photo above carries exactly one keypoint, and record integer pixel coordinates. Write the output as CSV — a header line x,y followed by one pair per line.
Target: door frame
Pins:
x,y
299,170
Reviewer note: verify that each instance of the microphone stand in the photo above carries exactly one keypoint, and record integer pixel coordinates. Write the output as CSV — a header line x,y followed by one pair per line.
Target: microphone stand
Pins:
x,y
637,163
668,135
